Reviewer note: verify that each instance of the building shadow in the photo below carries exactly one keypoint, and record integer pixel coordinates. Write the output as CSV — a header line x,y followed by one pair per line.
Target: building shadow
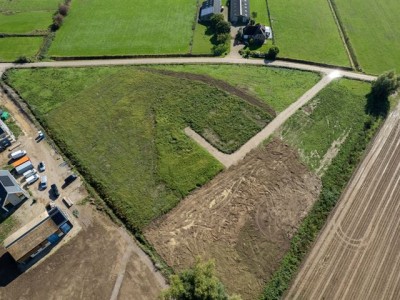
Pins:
x,y
9,269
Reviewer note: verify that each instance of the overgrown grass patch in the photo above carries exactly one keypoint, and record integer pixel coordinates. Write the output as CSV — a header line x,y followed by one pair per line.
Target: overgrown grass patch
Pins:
x,y
329,107
6,227
277,87
123,129
123,27
306,30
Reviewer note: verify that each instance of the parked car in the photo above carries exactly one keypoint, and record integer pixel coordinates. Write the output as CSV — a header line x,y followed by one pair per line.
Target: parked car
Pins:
x,y
32,178
29,173
54,190
43,183
41,167
4,144
40,136
67,181
17,154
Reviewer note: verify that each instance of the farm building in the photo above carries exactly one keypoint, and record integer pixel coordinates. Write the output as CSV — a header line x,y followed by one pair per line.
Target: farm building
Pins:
x,y
258,33
208,9
11,194
43,231
239,11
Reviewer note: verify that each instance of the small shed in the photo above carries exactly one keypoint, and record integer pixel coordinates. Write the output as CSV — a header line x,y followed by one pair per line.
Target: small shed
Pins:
x,y
208,9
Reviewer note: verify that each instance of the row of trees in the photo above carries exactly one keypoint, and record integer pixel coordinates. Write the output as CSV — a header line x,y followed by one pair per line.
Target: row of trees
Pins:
x,y
221,34
62,12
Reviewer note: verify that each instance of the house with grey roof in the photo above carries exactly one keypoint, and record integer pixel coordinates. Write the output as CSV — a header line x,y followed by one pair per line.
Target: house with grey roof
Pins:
x,y
208,9
11,194
239,11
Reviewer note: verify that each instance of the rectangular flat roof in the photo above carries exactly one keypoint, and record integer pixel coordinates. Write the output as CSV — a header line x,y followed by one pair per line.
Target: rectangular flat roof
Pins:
x,y
30,235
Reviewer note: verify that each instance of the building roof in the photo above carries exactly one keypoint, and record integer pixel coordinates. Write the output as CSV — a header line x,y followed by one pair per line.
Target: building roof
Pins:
x,y
8,185
210,7
30,235
240,8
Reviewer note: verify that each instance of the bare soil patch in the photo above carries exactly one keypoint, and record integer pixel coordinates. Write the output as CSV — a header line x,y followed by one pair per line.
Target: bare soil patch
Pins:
x,y
86,268
244,218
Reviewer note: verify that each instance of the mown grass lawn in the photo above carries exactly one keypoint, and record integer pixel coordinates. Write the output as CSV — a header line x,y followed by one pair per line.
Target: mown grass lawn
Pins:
x,y
337,111
123,128
374,31
12,48
123,27
26,22
306,30
277,87
201,40
260,8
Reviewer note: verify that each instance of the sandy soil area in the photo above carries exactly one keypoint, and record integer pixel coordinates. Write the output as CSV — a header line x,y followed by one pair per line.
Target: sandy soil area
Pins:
x,y
244,218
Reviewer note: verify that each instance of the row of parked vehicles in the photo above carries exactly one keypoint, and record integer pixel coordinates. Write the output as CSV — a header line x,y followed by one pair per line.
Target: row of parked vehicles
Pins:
x,y
23,166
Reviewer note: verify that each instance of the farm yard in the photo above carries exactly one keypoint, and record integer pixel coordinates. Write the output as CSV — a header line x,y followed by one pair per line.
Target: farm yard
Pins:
x,y
306,30
373,25
121,27
28,18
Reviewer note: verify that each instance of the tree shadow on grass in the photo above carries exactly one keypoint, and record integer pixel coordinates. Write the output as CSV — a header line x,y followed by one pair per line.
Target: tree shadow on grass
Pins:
x,y
377,107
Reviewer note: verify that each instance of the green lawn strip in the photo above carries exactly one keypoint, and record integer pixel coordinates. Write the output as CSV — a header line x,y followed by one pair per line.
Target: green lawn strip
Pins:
x,y
374,32
277,87
201,40
123,129
12,48
26,22
14,6
123,27
6,227
306,30
260,8
362,128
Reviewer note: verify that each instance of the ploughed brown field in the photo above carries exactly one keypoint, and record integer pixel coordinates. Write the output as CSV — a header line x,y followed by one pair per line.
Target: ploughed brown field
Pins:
x,y
244,218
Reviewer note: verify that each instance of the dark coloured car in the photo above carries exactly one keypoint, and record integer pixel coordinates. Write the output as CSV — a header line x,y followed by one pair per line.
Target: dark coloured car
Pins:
x,y
71,178
54,190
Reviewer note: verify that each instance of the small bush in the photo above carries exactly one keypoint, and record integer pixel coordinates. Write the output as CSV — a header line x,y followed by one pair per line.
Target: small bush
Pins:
x,y
58,19
272,53
63,9
219,49
223,38
23,60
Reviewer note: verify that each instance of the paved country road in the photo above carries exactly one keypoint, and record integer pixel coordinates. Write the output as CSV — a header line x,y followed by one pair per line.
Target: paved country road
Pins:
x,y
185,60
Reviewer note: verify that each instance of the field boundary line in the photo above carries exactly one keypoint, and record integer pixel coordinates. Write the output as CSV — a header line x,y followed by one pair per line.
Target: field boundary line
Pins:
x,y
340,29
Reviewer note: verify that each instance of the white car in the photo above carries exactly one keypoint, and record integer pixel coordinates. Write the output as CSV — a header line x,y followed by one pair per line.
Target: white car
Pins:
x,y
18,154
32,178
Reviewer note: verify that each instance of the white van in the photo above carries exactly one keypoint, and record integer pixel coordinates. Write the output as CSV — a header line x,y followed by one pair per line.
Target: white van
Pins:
x,y
18,154
29,173
43,183
32,178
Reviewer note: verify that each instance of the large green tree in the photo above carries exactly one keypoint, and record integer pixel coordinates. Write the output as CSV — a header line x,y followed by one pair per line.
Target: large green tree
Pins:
x,y
197,283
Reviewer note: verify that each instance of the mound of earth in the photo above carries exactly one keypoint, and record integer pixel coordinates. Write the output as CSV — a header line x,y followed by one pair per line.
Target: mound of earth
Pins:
x,y
244,218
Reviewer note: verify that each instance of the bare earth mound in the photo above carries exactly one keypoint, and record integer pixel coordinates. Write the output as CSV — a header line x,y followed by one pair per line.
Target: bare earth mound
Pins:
x,y
244,218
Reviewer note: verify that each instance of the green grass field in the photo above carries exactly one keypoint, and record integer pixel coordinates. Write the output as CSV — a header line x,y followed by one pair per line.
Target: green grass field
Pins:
x,y
123,128
26,22
306,30
277,87
12,48
6,227
260,8
374,31
337,111
201,41
123,27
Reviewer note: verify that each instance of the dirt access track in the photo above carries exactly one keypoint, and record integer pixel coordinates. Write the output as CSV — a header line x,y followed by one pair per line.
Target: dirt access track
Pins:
x,y
101,262
357,254
244,218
